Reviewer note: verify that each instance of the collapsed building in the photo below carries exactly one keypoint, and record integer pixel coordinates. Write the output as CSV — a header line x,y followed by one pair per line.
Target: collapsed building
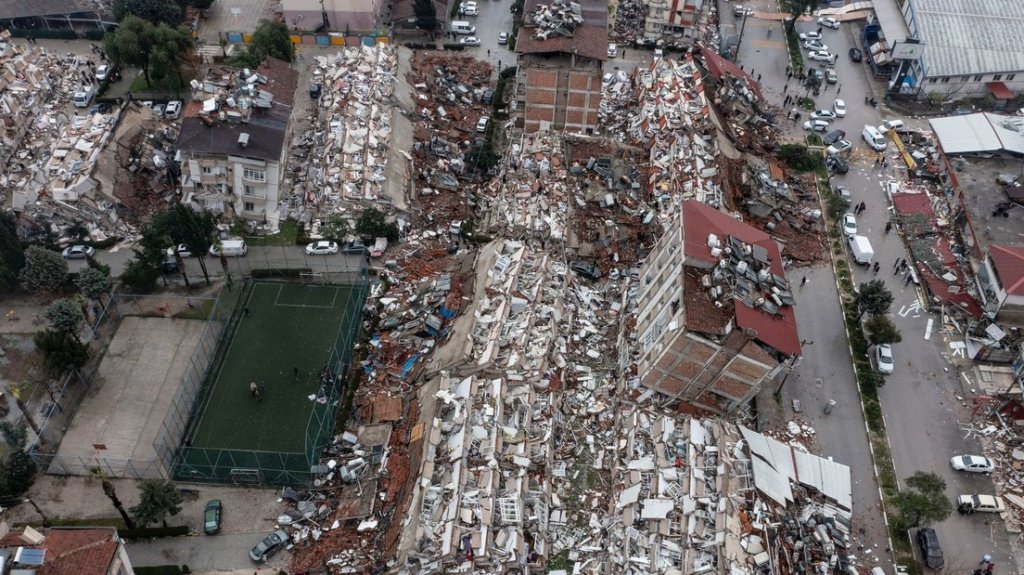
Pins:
x,y
231,145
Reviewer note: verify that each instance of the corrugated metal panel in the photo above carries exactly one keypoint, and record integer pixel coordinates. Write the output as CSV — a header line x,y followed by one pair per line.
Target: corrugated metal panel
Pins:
x,y
964,37
964,134
772,483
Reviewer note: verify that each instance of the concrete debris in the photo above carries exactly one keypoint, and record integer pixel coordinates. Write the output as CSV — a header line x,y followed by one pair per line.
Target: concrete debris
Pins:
x,y
560,18
629,20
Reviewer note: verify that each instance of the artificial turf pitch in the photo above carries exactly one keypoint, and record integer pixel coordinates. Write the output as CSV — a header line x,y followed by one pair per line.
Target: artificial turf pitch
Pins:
x,y
286,326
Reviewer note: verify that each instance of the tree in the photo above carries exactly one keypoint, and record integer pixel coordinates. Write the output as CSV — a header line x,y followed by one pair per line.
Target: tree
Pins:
x,y
66,316
140,275
426,15
372,223
170,47
873,298
20,392
337,228
923,501
197,230
61,351
111,492
157,50
270,39
94,283
44,270
154,11
12,256
158,499
881,330
17,470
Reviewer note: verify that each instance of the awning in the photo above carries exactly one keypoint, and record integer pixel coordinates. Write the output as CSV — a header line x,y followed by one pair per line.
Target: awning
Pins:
x,y
999,90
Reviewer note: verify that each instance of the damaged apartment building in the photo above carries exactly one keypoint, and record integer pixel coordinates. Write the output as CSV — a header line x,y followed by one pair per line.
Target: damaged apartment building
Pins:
x,y
715,316
562,47
233,140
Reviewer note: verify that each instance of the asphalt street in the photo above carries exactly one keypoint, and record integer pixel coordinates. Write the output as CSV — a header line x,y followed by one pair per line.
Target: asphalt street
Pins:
x,y
921,400
494,18
223,552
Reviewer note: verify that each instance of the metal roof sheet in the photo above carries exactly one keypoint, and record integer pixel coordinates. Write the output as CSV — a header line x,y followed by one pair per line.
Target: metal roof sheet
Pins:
x,y
775,464
964,37
981,132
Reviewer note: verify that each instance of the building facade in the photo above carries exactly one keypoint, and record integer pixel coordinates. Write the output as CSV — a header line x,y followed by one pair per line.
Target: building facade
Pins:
x,y
671,17
1001,282
232,142
341,15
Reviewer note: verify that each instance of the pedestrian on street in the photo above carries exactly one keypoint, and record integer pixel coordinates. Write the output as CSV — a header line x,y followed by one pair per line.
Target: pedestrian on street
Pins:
x,y
876,267
896,264
888,227
758,77
990,567
803,282
986,559
623,53
789,75
819,30
906,282
838,88
784,89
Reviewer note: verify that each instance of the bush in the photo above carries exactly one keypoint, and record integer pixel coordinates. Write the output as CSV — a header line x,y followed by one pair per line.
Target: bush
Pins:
x,y
151,532
94,34
509,72
799,158
456,47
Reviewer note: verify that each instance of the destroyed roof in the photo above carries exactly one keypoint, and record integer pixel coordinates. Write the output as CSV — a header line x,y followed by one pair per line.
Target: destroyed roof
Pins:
x,y
1009,264
776,464
265,141
30,8
718,66
70,551
589,39
282,80
700,221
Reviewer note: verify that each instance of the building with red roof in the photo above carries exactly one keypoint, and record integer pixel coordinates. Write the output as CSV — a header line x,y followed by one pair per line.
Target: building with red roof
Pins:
x,y
1001,282
63,551
716,318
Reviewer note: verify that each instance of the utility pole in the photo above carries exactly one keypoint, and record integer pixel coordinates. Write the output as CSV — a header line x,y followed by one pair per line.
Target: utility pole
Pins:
x,y
743,27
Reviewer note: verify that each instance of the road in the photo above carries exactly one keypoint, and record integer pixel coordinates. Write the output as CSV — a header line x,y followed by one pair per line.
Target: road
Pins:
x,y
922,412
225,552
493,19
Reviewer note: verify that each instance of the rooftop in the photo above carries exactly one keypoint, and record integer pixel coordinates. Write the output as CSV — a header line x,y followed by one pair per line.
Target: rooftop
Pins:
x,y
557,28
964,37
67,551
982,199
1009,262
28,8
980,132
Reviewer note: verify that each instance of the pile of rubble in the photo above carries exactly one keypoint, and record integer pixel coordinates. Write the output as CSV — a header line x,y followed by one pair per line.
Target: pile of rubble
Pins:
x,y
630,18
560,18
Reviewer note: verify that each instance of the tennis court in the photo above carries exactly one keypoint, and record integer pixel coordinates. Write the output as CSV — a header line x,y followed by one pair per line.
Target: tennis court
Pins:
x,y
286,336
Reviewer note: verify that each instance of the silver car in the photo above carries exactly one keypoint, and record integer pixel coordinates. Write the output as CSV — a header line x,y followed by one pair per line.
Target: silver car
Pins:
x,y
79,252
972,464
269,546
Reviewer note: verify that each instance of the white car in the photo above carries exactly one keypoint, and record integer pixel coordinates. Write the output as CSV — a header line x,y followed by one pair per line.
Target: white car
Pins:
x,y
814,45
102,72
839,147
828,22
821,56
839,106
816,125
613,50
182,250
470,41
967,504
173,110
481,125
79,252
321,248
503,38
883,359
890,125
827,115
972,463
469,9
849,225
810,36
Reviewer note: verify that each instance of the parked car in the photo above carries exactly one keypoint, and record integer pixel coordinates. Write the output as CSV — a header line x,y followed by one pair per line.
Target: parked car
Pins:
x,y
828,22
586,269
173,110
821,56
804,36
503,38
856,55
469,8
849,224
831,76
481,124
844,193
211,517
487,97
321,248
967,504
839,147
739,10
181,249
839,106
826,115
890,125
931,551
470,41
814,45
972,464
269,546
102,72
355,247
613,50
816,125
836,164
78,252
833,137
883,359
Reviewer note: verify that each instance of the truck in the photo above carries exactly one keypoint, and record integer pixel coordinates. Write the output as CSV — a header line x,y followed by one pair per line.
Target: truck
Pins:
x,y
463,27
860,248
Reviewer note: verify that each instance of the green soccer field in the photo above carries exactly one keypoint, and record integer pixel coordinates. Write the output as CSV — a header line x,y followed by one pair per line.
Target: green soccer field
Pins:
x,y
283,327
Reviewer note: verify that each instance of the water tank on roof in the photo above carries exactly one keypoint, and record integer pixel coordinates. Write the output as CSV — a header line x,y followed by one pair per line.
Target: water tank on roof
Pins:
x,y
762,275
713,241
741,268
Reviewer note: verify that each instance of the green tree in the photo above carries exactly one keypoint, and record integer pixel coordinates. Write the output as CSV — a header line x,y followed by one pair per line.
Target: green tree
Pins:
x,y
140,274
155,11
17,470
197,230
170,47
426,15
44,270
12,256
158,499
873,298
66,316
881,330
61,351
271,38
923,500
372,223
157,50
94,283
837,206
337,228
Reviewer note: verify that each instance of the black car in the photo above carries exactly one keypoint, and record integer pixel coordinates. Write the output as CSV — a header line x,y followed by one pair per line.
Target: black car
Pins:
x,y
836,165
931,552
586,269
356,247
833,137
856,55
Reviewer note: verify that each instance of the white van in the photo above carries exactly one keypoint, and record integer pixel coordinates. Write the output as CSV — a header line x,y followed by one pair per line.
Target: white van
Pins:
x,y
874,138
463,27
82,98
860,248
230,248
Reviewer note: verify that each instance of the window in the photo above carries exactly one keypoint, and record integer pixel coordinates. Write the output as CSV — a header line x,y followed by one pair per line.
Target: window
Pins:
x,y
207,170
248,190
932,80
254,175
997,77
964,78
945,79
1009,77
248,207
978,78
